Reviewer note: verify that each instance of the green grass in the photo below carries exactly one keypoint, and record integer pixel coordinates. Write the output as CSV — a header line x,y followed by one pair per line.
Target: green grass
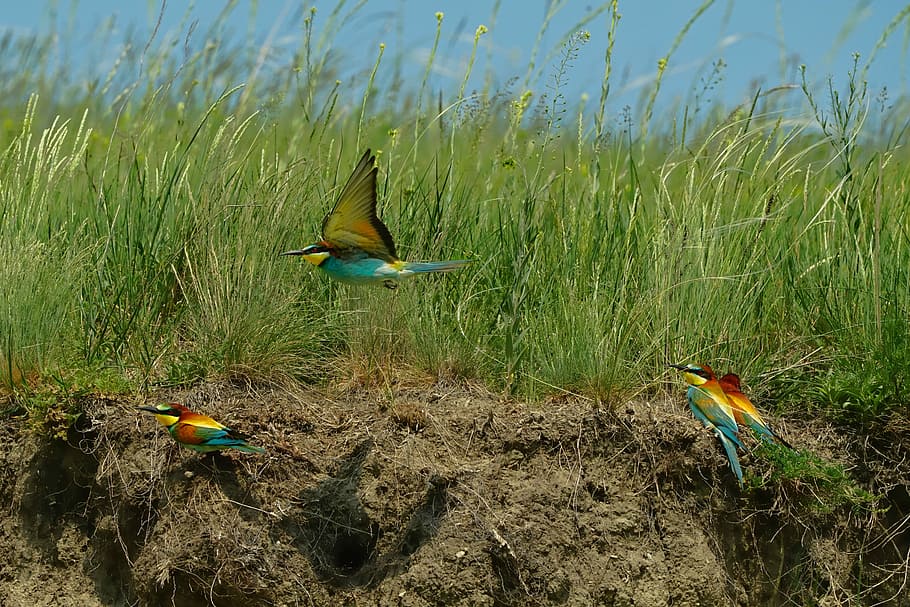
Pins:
x,y
142,221
815,485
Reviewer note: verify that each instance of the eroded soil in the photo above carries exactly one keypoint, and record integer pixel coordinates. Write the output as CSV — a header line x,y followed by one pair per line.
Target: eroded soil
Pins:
x,y
435,494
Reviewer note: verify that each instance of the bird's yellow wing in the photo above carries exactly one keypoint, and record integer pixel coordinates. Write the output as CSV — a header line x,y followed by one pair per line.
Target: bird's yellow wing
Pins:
x,y
197,420
353,222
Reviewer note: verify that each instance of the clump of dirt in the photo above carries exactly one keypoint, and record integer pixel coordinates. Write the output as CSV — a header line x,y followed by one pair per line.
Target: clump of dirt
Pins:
x,y
432,494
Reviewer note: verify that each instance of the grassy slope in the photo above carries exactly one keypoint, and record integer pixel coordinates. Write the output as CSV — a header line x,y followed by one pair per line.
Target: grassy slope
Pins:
x,y
141,222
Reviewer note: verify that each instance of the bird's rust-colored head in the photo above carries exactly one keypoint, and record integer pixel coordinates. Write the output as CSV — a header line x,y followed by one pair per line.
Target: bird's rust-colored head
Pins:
x,y
730,383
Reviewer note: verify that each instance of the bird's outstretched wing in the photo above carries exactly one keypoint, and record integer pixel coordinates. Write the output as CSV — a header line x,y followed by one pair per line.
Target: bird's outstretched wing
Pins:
x,y
353,222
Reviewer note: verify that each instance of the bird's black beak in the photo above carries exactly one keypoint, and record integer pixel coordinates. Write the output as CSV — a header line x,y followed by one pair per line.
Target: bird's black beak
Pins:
x,y
297,252
680,367
148,409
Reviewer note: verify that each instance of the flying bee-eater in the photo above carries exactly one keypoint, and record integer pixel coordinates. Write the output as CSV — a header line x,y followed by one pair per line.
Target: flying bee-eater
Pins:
x,y
198,432
712,408
745,412
356,247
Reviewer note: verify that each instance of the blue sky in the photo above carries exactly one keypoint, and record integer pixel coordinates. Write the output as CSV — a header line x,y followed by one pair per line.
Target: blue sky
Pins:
x,y
759,41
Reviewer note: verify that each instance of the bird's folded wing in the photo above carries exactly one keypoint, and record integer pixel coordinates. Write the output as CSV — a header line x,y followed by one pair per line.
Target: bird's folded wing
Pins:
x,y
200,421
742,402
198,435
715,406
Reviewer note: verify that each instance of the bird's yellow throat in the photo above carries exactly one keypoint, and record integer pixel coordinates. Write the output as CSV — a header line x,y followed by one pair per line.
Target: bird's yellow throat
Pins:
x,y
316,258
166,420
692,379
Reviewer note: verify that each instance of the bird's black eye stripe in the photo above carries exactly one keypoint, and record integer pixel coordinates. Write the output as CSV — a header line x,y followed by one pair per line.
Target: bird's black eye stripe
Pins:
x,y
697,371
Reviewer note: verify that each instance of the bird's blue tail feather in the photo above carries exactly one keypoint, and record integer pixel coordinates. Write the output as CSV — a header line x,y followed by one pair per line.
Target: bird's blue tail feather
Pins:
x,y
234,443
730,449
436,266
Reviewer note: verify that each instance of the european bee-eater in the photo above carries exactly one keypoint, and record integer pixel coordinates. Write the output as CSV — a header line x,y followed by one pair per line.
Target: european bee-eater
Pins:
x,y
712,408
198,432
356,247
744,411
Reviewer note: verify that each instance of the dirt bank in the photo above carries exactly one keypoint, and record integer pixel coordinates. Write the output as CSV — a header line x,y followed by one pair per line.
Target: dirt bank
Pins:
x,y
436,494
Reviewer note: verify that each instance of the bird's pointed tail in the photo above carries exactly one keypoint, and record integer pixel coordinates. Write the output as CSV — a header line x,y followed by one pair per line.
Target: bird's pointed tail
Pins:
x,y
730,449
248,448
783,441
435,266
768,434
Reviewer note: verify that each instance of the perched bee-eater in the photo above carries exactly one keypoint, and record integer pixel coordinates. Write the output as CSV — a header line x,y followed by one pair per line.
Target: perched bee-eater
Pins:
x,y
712,408
198,432
356,247
745,412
